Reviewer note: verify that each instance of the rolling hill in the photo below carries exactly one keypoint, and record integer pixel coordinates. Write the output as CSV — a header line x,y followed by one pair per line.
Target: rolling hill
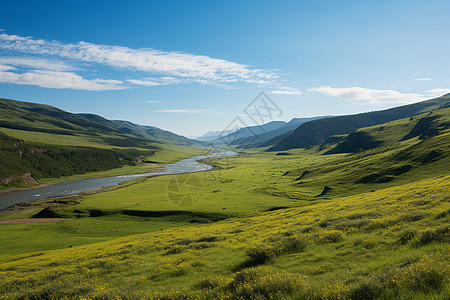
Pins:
x,y
44,118
40,141
318,131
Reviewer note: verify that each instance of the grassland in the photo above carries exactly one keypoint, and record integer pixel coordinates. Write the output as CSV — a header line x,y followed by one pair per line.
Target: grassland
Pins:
x,y
392,242
262,228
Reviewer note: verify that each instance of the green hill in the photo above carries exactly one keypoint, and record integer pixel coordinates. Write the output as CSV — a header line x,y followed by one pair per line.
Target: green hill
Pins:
x,y
422,126
318,131
44,118
40,141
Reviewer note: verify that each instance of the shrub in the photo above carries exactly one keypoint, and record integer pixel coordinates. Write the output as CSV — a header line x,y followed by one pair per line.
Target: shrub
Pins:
x,y
427,275
291,245
333,236
309,229
438,235
207,284
369,288
407,236
259,254
259,283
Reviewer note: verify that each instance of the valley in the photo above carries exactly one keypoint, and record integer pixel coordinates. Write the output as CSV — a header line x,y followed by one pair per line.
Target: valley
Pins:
x,y
362,215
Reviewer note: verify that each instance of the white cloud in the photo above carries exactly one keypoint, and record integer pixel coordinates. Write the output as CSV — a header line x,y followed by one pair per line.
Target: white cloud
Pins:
x,y
36,63
437,92
198,68
145,82
152,101
59,80
186,111
6,68
423,79
287,91
372,96
155,81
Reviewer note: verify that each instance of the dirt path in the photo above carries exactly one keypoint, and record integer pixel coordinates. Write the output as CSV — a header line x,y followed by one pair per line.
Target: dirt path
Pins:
x,y
32,220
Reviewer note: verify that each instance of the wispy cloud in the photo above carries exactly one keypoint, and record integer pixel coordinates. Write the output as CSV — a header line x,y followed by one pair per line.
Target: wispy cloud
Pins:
x,y
59,80
155,81
186,111
287,91
376,96
152,101
181,67
372,96
423,79
438,92
36,63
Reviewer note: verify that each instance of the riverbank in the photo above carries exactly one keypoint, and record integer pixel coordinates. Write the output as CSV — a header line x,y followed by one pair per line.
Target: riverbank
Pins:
x,y
126,170
79,186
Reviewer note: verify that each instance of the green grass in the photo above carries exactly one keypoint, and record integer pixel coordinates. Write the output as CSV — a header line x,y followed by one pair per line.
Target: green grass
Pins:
x,y
57,139
167,153
179,260
257,230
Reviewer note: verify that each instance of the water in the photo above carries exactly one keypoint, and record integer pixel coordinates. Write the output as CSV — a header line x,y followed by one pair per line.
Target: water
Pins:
x,y
188,165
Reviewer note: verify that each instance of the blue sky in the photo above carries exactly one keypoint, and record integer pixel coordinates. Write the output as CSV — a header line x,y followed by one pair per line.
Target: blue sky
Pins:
x,y
191,67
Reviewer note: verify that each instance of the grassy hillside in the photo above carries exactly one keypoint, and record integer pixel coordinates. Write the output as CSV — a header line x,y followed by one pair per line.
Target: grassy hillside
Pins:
x,y
50,161
364,223
316,132
422,126
44,118
39,143
389,243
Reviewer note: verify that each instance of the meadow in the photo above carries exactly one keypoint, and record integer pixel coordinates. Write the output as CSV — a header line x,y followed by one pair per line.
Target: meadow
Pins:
x,y
296,224
389,243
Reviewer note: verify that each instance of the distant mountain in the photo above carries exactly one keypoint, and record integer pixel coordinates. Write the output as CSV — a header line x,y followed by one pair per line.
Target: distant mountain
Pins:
x,y
45,118
318,131
271,137
209,136
248,132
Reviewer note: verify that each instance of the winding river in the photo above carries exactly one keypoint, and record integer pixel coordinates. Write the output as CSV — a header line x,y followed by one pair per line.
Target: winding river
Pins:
x,y
187,165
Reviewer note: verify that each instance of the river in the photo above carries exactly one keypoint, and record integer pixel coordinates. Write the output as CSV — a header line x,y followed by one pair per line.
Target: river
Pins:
x,y
187,165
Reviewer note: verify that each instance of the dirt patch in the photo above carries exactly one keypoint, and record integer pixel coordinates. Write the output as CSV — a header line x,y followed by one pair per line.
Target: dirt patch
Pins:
x,y
33,220
25,178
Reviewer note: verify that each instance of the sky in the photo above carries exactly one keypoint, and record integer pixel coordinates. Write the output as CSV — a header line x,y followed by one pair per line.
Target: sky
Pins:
x,y
195,66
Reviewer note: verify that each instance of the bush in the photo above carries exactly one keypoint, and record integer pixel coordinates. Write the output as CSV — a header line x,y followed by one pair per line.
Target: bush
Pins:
x,y
369,288
291,245
259,283
407,236
259,254
438,235
332,236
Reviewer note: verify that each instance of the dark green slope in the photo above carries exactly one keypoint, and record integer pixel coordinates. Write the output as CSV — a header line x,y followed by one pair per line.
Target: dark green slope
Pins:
x,y
44,118
421,127
379,156
356,141
318,131
22,163
98,144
